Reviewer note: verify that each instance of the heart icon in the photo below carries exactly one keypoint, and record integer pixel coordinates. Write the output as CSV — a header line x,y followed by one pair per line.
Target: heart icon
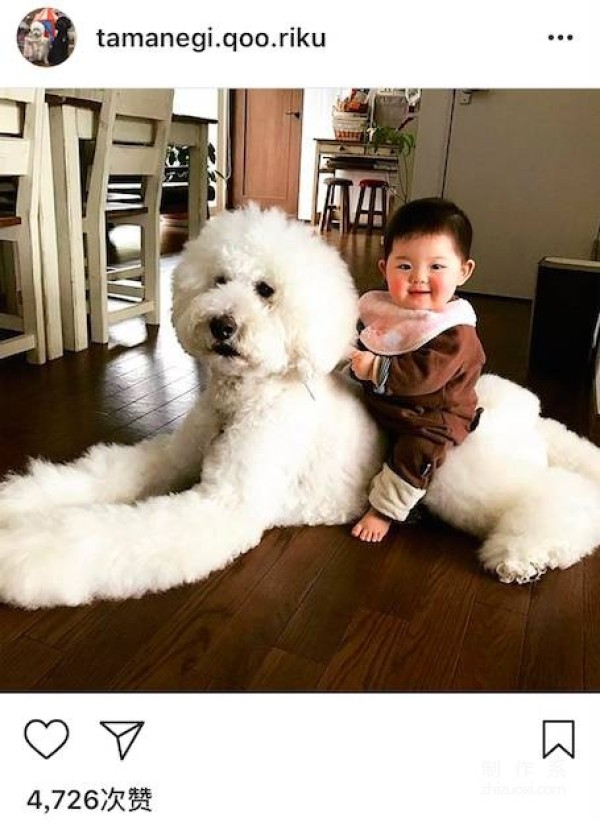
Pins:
x,y
46,738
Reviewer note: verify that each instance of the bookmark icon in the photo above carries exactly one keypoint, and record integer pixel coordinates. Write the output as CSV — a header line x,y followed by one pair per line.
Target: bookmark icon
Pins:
x,y
125,733
558,735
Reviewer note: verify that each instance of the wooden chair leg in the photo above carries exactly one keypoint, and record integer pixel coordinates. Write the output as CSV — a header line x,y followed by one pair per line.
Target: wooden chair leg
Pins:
x,y
8,275
324,213
371,215
330,208
30,277
383,207
49,253
98,282
151,262
359,209
67,204
345,215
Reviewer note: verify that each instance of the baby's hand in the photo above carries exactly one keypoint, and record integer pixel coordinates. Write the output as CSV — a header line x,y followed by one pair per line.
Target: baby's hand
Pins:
x,y
361,363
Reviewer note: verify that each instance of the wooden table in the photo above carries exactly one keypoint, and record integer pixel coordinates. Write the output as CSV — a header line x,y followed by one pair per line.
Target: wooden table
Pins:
x,y
73,118
337,155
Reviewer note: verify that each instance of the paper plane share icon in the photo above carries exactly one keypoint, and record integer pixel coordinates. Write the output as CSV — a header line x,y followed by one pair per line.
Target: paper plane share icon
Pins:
x,y
125,733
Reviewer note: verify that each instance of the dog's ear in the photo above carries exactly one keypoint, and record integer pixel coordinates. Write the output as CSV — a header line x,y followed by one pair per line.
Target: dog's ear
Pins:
x,y
324,314
326,334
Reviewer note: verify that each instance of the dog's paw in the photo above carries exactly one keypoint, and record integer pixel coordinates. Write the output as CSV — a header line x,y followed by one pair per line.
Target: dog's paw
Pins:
x,y
520,572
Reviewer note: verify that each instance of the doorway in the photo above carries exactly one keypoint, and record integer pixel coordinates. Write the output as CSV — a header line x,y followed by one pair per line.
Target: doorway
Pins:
x,y
266,144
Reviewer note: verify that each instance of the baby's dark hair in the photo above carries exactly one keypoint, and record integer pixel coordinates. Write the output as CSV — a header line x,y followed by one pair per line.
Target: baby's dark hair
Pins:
x,y
431,215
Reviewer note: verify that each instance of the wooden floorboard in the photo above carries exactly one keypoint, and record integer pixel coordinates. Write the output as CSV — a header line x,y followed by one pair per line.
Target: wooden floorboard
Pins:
x,y
165,660
282,671
332,600
426,656
309,609
254,629
491,651
363,660
553,653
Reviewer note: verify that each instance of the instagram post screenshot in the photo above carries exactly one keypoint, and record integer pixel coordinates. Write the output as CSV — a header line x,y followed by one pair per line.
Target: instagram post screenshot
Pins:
x,y
299,412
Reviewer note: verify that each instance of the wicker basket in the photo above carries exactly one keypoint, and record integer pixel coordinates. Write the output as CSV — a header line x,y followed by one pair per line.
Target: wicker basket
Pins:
x,y
348,126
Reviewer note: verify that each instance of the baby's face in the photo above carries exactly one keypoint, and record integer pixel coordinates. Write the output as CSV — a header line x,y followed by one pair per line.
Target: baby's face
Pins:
x,y
424,271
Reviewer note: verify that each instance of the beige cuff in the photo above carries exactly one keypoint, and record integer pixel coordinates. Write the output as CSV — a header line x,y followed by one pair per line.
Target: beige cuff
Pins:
x,y
392,496
375,370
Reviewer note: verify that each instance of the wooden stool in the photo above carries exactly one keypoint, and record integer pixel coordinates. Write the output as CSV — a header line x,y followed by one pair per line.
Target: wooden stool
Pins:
x,y
373,187
329,205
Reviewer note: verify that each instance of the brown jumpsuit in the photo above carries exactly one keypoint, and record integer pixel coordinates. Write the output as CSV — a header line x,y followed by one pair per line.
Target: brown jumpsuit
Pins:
x,y
426,401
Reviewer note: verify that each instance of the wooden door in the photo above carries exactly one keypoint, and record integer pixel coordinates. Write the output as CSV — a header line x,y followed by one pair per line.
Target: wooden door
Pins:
x,y
525,166
266,140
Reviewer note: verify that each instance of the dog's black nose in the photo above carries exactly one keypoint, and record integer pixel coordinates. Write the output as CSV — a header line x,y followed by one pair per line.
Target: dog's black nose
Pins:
x,y
222,328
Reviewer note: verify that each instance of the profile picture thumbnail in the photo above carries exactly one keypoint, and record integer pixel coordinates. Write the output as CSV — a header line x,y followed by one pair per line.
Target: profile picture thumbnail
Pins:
x,y
46,37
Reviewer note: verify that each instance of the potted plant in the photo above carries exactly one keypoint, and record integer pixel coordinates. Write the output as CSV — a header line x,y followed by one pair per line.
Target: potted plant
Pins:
x,y
213,173
402,143
177,175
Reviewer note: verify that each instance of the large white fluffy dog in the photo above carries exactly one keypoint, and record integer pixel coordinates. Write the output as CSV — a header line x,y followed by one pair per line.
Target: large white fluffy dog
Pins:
x,y
279,438
36,45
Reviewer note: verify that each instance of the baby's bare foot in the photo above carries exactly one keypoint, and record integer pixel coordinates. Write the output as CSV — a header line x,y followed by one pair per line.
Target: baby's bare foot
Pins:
x,y
372,526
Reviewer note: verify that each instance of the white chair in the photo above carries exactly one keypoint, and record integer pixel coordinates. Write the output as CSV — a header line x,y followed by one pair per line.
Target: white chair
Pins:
x,y
21,124
131,142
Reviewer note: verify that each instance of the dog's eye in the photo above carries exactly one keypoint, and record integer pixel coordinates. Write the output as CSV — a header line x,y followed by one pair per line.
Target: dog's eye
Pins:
x,y
264,290
221,280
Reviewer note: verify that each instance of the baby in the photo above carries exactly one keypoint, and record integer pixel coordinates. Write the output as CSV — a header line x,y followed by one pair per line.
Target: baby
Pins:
x,y
421,356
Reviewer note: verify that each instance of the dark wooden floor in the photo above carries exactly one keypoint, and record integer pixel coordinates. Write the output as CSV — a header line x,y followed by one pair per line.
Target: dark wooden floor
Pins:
x,y
310,608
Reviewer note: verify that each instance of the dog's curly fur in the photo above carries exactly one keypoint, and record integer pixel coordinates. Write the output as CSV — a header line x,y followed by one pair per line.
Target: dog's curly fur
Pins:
x,y
277,438
36,45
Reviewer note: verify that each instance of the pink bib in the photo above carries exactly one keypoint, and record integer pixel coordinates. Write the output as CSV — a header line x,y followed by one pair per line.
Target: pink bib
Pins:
x,y
390,330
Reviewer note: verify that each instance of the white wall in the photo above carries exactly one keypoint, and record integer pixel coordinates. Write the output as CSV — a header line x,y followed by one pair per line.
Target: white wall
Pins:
x,y
198,102
316,123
